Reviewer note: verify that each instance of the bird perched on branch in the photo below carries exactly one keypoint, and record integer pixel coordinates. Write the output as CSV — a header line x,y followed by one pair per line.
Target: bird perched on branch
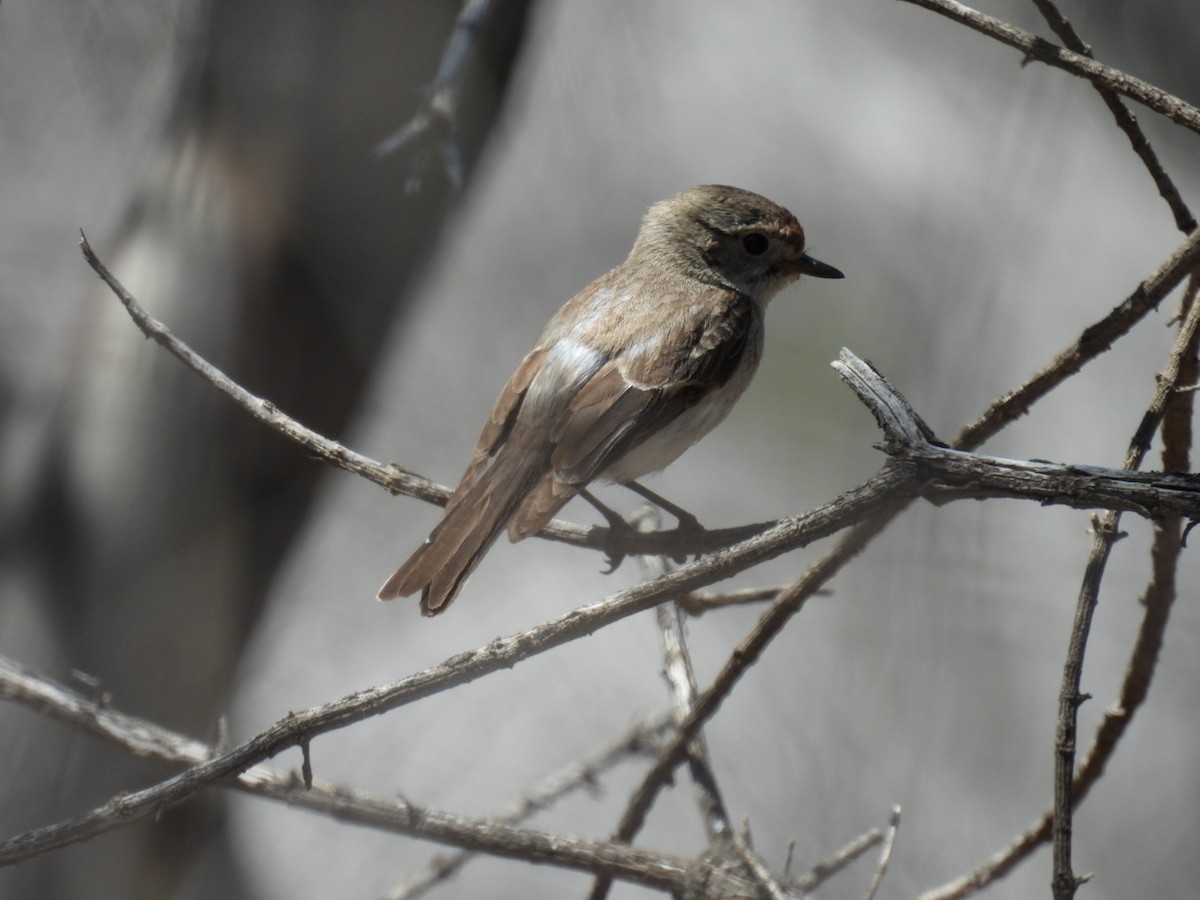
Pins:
x,y
632,371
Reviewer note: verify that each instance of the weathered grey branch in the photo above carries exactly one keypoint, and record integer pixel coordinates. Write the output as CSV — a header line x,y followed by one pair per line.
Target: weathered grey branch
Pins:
x,y
681,682
949,474
885,854
146,739
501,653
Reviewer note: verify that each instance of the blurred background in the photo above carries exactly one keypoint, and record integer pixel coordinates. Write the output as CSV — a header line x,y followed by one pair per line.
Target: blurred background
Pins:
x,y
221,158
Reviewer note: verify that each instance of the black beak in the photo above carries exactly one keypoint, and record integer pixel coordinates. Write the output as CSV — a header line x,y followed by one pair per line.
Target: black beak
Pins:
x,y
816,268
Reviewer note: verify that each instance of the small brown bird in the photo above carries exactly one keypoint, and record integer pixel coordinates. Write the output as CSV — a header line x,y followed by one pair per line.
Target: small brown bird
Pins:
x,y
636,368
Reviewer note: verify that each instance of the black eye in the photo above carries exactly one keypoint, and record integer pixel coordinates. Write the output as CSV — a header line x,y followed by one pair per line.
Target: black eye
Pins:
x,y
755,244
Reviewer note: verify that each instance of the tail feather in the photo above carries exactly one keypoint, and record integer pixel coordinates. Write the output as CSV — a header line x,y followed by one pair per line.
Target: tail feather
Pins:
x,y
539,506
476,514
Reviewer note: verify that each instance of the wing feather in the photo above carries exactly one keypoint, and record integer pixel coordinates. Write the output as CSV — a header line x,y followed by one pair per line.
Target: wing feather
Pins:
x,y
634,396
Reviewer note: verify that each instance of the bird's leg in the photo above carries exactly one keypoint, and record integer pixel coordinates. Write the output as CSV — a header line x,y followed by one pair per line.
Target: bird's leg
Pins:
x,y
689,525
687,522
616,522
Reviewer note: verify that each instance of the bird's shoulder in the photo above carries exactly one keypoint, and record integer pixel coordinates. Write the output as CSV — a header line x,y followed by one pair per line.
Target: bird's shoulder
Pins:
x,y
654,322
698,338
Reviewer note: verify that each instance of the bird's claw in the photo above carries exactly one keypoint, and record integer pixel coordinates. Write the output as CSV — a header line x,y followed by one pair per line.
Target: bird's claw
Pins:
x,y
613,559
688,529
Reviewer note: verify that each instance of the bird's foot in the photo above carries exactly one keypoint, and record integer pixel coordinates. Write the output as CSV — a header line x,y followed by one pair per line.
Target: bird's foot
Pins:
x,y
618,532
688,527
687,531
621,532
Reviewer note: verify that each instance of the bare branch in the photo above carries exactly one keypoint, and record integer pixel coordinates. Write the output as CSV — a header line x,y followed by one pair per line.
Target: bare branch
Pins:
x,y
436,120
681,681
1126,121
642,738
1064,880
1158,598
1094,340
697,603
148,740
823,871
885,854
1034,47
948,474
397,479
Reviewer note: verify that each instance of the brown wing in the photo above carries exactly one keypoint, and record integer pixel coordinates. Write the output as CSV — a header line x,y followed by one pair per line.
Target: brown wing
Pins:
x,y
631,398
504,414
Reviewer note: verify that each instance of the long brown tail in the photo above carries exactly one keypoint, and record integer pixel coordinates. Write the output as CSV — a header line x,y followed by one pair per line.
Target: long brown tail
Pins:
x,y
476,514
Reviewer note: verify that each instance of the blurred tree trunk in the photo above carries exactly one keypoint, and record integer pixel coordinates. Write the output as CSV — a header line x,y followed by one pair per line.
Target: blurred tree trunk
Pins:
x,y
275,242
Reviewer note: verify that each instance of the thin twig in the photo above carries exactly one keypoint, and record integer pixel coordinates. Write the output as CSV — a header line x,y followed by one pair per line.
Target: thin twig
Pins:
x,y
697,603
395,479
1126,121
885,854
786,605
1093,341
681,681
758,870
436,119
1178,111
643,737
823,871
1064,880
1157,598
